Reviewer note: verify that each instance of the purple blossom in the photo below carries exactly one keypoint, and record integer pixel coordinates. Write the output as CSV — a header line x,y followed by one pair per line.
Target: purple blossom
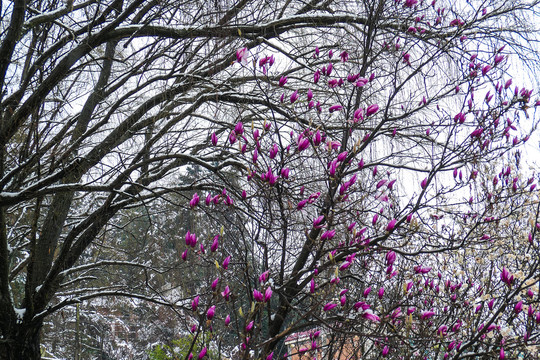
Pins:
x,y
211,312
366,292
239,128
226,262
372,109
329,69
267,294
391,225
303,144
195,303
426,315
316,76
329,306
329,234
317,222
215,283
294,96
194,201
241,57
410,3
264,276
215,244
226,293
273,151
257,295
335,108
519,307
390,258
370,316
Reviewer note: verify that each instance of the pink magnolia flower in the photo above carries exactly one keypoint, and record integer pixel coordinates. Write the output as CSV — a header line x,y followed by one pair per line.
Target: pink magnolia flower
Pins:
x,y
316,76
335,108
211,312
239,128
391,225
195,303
519,307
372,109
267,294
329,234
194,201
317,222
294,96
426,315
226,262
329,306
390,258
202,353
264,276
241,56
410,3
215,244
361,305
215,283
366,292
407,59
409,286
329,69
370,316
257,295
303,144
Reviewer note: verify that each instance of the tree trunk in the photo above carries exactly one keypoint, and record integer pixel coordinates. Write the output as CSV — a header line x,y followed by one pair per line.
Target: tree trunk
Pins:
x,y
22,343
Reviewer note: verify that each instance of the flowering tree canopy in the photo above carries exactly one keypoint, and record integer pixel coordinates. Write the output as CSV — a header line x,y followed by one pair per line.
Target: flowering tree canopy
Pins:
x,y
351,169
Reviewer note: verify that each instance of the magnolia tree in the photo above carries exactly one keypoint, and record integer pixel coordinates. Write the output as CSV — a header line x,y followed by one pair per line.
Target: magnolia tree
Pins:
x,y
359,172
386,202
